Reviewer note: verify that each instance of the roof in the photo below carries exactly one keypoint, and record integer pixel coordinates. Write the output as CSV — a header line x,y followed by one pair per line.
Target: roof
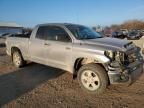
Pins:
x,y
56,24
4,24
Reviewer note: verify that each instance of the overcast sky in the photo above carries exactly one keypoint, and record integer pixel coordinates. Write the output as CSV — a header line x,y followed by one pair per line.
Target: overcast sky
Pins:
x,y
87,12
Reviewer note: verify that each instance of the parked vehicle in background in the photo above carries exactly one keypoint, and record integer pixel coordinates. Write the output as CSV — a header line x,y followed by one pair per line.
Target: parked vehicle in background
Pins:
x,y
120,35
22,32
142,32
96,61
5,32
134,35
10,30
4,36
124,31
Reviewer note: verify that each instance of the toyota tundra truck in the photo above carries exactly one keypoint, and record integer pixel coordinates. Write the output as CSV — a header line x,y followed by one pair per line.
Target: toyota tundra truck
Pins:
x,y
94,60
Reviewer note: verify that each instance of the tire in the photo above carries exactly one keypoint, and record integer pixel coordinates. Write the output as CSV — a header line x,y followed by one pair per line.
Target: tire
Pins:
x,y
93,78
17,58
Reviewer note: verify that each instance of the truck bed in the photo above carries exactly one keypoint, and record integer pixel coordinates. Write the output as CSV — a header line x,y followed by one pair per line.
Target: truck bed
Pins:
x,y
19,42
26,35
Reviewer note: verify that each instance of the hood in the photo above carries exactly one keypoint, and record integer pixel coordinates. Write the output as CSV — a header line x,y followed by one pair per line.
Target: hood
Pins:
x,y
108,43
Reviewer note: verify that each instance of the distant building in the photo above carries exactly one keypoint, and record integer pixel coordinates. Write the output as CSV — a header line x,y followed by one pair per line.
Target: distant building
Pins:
x,y
9,28
98,28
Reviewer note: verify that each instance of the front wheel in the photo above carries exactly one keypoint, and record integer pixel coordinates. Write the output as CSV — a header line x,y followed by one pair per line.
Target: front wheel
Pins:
x,y
93,78
17,59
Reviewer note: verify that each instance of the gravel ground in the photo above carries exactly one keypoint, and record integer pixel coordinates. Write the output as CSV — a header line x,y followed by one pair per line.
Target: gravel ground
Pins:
x,y
36,86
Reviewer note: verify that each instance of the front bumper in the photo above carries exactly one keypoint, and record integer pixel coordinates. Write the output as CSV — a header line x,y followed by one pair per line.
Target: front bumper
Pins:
x,y
129,74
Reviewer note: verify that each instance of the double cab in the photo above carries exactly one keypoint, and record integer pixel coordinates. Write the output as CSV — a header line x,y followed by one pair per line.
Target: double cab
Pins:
x,y
94,60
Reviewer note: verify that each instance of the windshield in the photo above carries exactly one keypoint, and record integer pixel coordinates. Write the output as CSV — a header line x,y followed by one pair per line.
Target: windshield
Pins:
x,y
82,32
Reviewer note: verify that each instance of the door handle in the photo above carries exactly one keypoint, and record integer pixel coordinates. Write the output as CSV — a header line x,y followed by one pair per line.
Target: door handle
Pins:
x,y
47,44
67,48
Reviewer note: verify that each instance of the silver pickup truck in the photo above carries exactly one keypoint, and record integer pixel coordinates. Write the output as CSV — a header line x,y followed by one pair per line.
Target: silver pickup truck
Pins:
x,y
95,60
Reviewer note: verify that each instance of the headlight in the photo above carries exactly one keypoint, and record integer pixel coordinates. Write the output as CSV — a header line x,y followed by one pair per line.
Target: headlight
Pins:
x,y
110,54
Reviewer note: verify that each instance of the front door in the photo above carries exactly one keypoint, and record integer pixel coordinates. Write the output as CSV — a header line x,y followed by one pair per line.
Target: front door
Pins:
x,y
59,47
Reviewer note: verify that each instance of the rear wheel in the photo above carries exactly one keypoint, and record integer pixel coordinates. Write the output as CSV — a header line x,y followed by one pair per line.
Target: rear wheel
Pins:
x,y
93,78
18,59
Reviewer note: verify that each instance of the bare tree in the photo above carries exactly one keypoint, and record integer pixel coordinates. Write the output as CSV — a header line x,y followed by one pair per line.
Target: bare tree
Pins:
x,y
133,24
130,24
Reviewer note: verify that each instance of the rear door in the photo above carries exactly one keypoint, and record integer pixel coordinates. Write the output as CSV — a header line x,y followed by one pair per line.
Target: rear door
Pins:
x,y
37,47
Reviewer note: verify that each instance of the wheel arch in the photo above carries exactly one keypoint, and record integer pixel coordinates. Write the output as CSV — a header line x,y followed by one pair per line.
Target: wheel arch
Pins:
x,y
79,62
14,48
